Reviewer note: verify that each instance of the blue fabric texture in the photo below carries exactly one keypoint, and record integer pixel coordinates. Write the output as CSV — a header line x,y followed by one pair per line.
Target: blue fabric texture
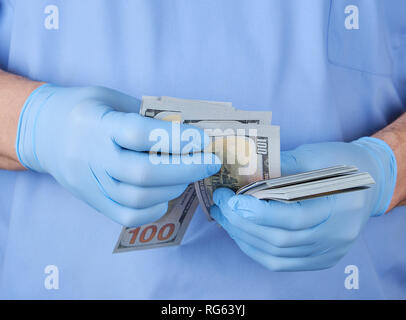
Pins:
x,y
331,71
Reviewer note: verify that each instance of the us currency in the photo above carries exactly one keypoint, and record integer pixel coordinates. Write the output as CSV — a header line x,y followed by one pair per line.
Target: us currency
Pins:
x,y
194,112
298,178
167,231
248,152
195,103
170,229
174,109
223,120
198,118
310,190
311,184
183,105
204,114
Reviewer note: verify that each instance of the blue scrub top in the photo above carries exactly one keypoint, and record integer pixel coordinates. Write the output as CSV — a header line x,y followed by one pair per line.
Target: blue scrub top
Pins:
x,y
326,74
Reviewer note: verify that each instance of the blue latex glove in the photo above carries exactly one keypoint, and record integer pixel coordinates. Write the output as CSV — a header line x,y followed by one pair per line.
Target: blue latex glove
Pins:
x,y
87,141
310,234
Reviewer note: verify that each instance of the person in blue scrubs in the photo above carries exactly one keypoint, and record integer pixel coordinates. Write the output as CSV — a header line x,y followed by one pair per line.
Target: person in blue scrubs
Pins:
x,y
333,72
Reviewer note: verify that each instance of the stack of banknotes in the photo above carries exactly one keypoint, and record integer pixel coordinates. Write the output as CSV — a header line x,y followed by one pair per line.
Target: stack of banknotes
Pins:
x,y
249,148
311,184
245,141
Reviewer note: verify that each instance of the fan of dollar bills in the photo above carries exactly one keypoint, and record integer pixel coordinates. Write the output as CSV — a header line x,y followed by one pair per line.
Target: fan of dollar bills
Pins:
x,y
249,148
241,133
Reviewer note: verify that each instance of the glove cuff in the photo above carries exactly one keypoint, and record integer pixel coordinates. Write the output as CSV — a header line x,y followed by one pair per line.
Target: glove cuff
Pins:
x,y
385,158
25,140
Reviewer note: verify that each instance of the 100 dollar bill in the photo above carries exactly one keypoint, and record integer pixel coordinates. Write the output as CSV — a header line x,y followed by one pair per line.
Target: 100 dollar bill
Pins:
x,y
248,153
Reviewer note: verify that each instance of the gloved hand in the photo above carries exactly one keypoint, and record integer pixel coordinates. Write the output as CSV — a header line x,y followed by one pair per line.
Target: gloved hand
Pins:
x,y
311,234
82,137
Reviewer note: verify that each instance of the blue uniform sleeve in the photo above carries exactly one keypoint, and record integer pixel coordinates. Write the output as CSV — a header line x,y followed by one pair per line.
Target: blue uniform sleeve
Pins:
x,y
6,17
395,11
